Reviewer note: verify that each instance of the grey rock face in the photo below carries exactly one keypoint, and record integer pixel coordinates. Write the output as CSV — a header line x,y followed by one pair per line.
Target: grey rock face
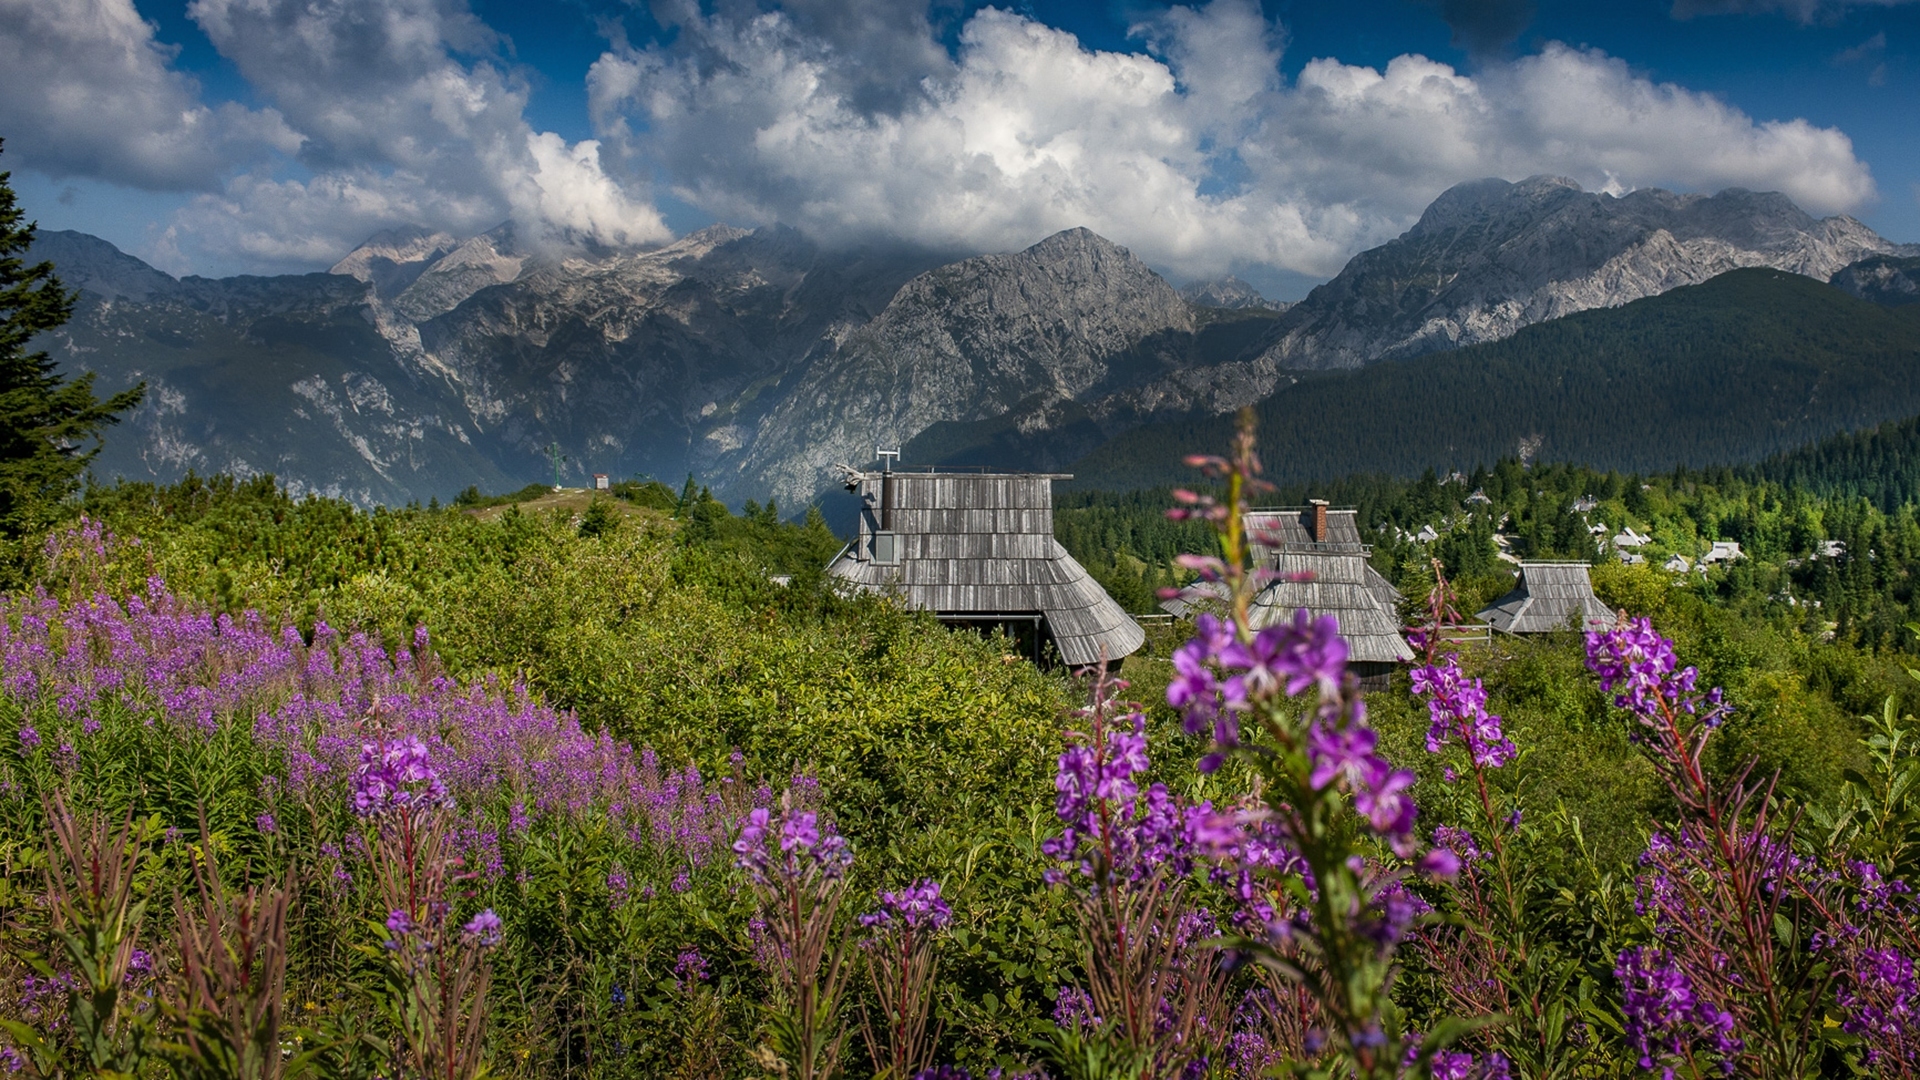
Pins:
x,y
651,361
393,259
92,265
659,362
983,338
1489,257
1229,292
1888,280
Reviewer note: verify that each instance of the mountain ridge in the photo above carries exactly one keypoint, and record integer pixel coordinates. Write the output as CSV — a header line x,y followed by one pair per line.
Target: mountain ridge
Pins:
x,y
758,359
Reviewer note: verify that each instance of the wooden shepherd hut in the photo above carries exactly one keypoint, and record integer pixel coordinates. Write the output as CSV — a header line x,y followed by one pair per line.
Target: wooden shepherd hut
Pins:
x,y
1323,546
1549,596
977,549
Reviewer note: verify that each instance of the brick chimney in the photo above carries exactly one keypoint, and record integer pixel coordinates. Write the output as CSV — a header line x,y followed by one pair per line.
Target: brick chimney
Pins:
x,y
1319,520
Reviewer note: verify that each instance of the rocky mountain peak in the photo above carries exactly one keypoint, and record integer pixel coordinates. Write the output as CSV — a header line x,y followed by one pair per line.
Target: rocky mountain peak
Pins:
x,y
1492,199
996,336
92,265
392,249
1489,257
491,258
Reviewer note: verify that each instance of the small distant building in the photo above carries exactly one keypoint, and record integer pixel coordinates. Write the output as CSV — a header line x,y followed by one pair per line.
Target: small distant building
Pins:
x,y
1627,538
1479,498
600,482
1832,549
1631,558
1585,504
977,549
1549,596
1323,544
1678,564
1722,551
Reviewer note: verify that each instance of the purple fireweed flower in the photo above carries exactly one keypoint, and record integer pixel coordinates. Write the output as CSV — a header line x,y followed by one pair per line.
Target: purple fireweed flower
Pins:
x,y
690,965
400,924
917,907
1391,913
483,929
617,886
1126,758
1345,755
807,846
800,832
1440,863
1292,656
265,824
1457,707
1640,668
29,739
751,844
1195,691
396,775
1459,842
1459,1065
1665,1017
1073,1007
751,847
1874,983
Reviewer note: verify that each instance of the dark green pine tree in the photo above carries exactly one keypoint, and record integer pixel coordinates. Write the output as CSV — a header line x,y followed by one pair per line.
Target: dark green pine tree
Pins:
x,y
46,421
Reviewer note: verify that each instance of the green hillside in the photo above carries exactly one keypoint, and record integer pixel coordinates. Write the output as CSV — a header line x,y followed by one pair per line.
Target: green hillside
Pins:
x,y
1752,363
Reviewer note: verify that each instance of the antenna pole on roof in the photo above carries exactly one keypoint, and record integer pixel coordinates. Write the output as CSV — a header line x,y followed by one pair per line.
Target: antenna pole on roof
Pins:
x,y
886,486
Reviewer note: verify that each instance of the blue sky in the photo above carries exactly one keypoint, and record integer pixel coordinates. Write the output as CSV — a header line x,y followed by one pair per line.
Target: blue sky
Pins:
x,y
1272,141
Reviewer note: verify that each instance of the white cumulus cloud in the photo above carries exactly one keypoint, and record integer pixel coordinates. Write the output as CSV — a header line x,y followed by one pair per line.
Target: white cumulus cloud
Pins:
x,y
88,90
1195,151
411,116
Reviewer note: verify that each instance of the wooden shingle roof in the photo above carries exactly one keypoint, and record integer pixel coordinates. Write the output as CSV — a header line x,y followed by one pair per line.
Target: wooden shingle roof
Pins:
x,y
1549,596
1344,584
1292,528
982,544
1345,587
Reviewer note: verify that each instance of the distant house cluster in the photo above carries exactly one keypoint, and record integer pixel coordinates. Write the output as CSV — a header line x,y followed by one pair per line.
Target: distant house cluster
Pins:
x,y
977,549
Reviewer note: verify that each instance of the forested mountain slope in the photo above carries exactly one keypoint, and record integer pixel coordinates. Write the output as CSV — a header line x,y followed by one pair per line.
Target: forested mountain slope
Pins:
x,y
1880,464
1749,364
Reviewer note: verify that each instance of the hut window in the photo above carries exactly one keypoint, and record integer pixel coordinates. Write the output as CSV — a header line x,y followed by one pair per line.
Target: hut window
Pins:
x,y
886,548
